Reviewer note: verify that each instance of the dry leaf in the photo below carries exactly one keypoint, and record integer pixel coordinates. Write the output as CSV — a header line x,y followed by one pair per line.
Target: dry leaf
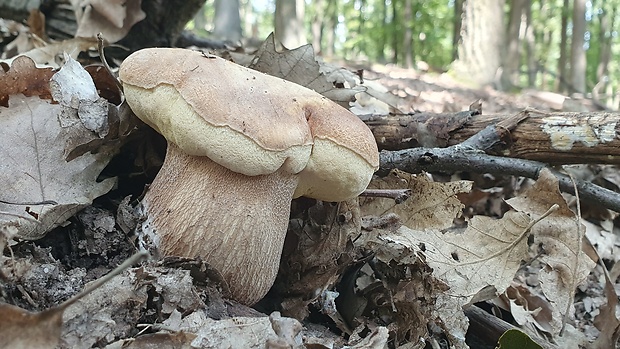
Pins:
x,y
21,329
606,321
566,264
24,78
237,332
431,205
316,250
487,254
163,340
300,67
75,90
33,169
52,55
114,19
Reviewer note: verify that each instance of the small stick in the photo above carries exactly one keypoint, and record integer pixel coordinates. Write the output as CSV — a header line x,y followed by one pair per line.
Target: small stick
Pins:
x,y
46,202
100,47
137,257
399,195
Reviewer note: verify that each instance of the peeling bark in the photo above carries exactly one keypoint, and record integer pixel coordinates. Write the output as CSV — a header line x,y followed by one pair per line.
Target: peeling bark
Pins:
x,y
554,138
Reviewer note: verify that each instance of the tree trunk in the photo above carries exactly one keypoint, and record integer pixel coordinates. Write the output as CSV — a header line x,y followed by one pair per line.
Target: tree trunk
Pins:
x,y
530,43
456,28
227,22
360,29
289,23
560,82
317,26
330,31
480,49
512,55
395,26
408,35
381,44
578,53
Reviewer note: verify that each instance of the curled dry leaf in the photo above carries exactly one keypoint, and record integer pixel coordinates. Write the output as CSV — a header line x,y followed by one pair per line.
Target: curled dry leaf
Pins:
x,y
33,168
566,264
113,19
316,251
396,285
52,55
300,66
41,188
74,89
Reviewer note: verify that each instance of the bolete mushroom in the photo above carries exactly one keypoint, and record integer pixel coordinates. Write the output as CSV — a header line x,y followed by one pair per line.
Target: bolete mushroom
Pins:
x,y
241,146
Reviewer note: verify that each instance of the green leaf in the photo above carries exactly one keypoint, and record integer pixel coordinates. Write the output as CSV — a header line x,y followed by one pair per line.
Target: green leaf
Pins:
x,y
515,339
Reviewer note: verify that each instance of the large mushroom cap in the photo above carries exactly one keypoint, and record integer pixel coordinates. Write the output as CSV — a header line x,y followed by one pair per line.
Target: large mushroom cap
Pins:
x,y
242,145
244,120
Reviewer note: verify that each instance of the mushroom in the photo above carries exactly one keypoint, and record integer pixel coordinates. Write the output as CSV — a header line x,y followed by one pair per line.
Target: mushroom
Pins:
x,y
241,146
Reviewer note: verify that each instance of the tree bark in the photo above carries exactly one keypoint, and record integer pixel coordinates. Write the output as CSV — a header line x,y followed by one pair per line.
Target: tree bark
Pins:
x,y
578,53
381,45
289,23
479,51
227,22
607,21
330,31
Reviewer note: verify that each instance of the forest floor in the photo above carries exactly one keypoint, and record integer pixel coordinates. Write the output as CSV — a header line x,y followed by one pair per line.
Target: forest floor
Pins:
x,y
175,303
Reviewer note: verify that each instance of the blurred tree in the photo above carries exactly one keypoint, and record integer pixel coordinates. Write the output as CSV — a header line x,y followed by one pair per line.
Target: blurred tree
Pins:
x,y
578,54
560,84
227,22
289,23
511,59
479,51
456,27
317,25
408,36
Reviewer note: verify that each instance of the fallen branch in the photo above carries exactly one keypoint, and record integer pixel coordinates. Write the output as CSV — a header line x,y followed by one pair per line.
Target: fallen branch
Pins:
x,y
470,156
554,138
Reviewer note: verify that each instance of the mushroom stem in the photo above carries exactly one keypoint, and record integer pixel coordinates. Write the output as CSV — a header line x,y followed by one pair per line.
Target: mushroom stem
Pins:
x,y
236,223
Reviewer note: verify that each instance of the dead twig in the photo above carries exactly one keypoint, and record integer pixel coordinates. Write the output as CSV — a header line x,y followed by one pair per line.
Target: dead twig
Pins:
x,y
399,195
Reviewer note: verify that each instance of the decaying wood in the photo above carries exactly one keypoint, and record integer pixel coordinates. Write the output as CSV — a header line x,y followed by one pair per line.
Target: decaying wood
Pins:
x,y
553,138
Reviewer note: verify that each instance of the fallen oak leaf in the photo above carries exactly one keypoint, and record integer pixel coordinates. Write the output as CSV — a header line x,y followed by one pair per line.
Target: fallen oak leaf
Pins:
x,y
33,164
22,329
33,169
565,263
25,78
300,66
